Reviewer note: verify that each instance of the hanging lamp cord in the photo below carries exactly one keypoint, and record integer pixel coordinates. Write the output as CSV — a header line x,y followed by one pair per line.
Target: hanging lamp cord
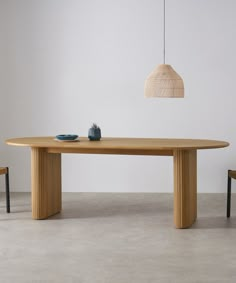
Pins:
x,y
164,33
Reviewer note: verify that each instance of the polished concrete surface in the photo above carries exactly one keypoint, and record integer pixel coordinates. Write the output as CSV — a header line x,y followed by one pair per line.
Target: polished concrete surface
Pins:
x,y
117,238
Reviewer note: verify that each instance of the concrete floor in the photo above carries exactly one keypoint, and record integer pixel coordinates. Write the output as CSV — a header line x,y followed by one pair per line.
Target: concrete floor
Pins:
x,y
117,238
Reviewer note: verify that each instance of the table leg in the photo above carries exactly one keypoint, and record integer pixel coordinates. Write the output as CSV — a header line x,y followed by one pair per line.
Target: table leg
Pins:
x,y
46,183
185,188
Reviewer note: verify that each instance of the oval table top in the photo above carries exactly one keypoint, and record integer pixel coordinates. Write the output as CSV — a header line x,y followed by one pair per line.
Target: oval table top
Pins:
x,y
115,145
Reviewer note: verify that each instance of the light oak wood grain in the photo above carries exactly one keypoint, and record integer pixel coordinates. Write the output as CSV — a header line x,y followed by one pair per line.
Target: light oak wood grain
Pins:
x,y
46,183
138,145
46,168
185,188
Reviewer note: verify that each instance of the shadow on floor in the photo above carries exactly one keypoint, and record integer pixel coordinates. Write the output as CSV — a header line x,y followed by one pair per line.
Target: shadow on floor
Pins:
x,y
90,210
215,222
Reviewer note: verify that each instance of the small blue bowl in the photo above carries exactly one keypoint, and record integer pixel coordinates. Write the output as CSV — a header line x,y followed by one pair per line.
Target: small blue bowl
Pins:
x,y
67,137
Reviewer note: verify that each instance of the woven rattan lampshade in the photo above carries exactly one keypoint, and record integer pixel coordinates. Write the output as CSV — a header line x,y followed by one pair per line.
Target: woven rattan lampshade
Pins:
x,y
164,82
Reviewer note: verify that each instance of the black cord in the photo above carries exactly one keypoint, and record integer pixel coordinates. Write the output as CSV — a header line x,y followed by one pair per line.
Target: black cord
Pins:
x,y
164,35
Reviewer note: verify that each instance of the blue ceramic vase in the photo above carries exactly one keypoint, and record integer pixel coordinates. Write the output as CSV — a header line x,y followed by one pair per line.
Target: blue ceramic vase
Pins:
x,y
94,133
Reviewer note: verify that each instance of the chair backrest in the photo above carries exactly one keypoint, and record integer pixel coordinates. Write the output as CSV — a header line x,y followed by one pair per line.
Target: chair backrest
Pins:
x,y
232,174
3,170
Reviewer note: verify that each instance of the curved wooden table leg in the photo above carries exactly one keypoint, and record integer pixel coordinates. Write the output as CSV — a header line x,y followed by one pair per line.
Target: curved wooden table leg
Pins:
x,y
185,188
46,183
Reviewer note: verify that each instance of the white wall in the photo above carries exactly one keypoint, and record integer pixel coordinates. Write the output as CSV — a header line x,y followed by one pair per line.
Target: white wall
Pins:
x,y
67,63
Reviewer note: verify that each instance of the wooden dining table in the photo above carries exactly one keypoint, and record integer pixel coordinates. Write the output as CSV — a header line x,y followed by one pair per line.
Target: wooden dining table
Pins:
x,y
46,168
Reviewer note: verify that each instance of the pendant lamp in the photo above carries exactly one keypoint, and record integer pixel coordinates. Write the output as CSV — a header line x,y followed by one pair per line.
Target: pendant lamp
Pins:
x,y
163,81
